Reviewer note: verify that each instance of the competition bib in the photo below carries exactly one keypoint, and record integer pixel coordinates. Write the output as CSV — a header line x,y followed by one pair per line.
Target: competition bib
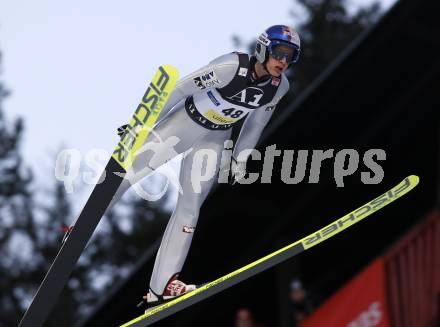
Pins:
x,y
217,110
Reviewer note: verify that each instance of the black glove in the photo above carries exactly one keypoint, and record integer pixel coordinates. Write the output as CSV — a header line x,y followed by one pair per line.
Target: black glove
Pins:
x,y
122,129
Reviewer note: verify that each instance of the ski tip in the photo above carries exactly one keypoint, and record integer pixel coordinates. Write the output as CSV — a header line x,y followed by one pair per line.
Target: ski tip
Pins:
x,y
170,70
414,179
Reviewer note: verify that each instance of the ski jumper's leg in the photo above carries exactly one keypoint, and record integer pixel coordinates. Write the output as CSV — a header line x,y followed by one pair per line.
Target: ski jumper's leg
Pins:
x,y
172,136
179,232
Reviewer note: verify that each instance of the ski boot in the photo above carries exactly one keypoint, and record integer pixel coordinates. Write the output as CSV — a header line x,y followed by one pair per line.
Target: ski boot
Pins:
x,y
174,289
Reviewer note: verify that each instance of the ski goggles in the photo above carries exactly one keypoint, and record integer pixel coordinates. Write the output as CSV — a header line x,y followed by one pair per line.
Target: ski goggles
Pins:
x,y
280,51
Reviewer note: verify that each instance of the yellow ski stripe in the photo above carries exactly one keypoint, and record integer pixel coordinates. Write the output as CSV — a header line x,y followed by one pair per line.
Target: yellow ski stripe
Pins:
x,y
307,242
146,115
353,217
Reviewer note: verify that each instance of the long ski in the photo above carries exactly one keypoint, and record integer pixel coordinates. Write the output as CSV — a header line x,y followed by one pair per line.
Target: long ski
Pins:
x,y
274,258
138,129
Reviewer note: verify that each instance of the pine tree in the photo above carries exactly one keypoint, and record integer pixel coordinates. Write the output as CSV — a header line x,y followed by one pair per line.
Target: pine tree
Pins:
x,y
18,234
29,234
327,30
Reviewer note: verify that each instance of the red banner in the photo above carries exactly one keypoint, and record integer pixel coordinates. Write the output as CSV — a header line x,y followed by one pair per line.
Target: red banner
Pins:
x,y
360,303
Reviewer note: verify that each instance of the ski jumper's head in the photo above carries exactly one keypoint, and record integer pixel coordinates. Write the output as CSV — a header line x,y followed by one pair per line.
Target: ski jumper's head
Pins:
x,y
276,48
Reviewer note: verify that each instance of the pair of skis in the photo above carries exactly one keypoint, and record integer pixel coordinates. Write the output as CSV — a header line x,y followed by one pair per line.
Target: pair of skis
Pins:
x,y
134,136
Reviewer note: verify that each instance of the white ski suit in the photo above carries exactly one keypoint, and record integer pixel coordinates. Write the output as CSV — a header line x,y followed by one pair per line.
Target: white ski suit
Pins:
x,y
199,115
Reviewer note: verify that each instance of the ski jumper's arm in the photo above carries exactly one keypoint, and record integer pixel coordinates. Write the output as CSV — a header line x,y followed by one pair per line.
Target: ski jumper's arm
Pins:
x,y
255,122
224,68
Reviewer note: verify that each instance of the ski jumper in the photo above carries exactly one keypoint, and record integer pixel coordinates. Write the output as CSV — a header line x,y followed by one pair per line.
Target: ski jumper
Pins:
x,y
199,115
